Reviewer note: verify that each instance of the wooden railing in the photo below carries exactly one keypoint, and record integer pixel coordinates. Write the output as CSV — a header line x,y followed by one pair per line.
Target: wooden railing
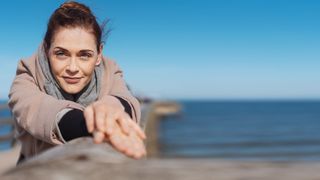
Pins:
x,y
7,121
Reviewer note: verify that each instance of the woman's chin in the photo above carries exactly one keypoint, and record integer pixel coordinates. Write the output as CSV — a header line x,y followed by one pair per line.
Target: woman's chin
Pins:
x,y
72,90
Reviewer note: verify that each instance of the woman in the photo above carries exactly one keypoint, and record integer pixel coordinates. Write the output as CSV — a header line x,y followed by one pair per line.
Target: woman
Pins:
x,y
69,90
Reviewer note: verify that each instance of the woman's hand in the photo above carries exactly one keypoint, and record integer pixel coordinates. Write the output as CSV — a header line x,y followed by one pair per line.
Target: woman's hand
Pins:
x,y
130,145
109,122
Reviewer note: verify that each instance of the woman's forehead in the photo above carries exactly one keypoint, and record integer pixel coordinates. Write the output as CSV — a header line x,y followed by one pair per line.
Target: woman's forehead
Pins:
x,y
74,39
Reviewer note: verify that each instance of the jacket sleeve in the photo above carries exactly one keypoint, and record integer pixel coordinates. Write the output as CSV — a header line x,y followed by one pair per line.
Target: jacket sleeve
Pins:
x,y
119,89
34,110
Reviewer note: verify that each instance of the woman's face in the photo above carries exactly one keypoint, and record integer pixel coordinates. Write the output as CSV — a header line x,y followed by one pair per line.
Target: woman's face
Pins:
x,y
73,56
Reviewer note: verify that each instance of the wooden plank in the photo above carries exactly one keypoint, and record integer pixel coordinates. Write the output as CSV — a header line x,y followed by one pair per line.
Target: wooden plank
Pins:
x,y
82,160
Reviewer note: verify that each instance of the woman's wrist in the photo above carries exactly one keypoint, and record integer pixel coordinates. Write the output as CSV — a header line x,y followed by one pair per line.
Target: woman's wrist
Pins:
x,y
119,102
72,125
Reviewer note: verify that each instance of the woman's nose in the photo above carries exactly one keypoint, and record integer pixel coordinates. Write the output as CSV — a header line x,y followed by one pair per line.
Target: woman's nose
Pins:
x,y
73,66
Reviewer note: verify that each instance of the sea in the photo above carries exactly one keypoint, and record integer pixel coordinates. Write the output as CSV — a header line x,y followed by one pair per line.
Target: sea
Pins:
x,y
260,130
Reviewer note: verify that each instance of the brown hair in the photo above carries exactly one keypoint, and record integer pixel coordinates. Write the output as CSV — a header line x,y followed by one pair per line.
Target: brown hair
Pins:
x,y
72,14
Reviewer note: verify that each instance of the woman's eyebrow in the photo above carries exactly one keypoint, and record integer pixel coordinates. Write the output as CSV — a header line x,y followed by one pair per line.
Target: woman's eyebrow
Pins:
x,y
86,50
81,51
60,48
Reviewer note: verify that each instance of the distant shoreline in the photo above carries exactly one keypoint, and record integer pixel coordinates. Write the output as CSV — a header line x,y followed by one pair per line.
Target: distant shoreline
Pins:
x,y
247,100
2,101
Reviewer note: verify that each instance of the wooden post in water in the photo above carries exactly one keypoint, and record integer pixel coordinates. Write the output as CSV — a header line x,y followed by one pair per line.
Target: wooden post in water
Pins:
x,y
156,112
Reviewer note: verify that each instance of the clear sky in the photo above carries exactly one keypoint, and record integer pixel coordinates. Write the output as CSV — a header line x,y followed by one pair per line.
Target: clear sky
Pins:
x,y
190,48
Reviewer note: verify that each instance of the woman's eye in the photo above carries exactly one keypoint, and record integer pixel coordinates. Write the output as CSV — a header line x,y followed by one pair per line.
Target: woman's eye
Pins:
x,y
60,54
85,56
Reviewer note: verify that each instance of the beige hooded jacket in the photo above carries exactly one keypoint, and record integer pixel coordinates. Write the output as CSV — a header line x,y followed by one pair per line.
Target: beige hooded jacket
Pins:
x,y
37,113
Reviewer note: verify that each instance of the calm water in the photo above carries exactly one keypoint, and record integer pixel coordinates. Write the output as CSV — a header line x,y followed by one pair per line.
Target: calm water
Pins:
x,y
244,130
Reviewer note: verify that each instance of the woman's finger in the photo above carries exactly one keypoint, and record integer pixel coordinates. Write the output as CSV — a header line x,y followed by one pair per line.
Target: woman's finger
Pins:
x,y
118,142
124,123
109,123
130,145
137,146
89,117
122,142
98,137
99,121
137,128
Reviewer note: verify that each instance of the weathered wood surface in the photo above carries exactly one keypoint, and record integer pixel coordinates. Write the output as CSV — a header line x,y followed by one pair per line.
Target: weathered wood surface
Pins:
x,y
81,159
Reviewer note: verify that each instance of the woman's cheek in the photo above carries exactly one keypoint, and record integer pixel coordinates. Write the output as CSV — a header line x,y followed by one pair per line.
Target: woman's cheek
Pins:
x,y
87,69
57,66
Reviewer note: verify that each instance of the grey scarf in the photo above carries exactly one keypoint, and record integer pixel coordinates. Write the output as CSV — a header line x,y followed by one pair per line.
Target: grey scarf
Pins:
x,y
88,95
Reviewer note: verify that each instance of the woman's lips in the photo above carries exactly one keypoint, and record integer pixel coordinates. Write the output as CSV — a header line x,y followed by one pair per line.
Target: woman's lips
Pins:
x,y
72,80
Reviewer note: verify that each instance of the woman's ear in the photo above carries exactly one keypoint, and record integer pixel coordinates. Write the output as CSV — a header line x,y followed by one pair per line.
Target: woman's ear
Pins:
x,y
99,55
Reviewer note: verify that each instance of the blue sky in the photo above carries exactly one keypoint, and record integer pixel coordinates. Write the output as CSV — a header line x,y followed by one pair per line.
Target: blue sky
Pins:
x,y
189,49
